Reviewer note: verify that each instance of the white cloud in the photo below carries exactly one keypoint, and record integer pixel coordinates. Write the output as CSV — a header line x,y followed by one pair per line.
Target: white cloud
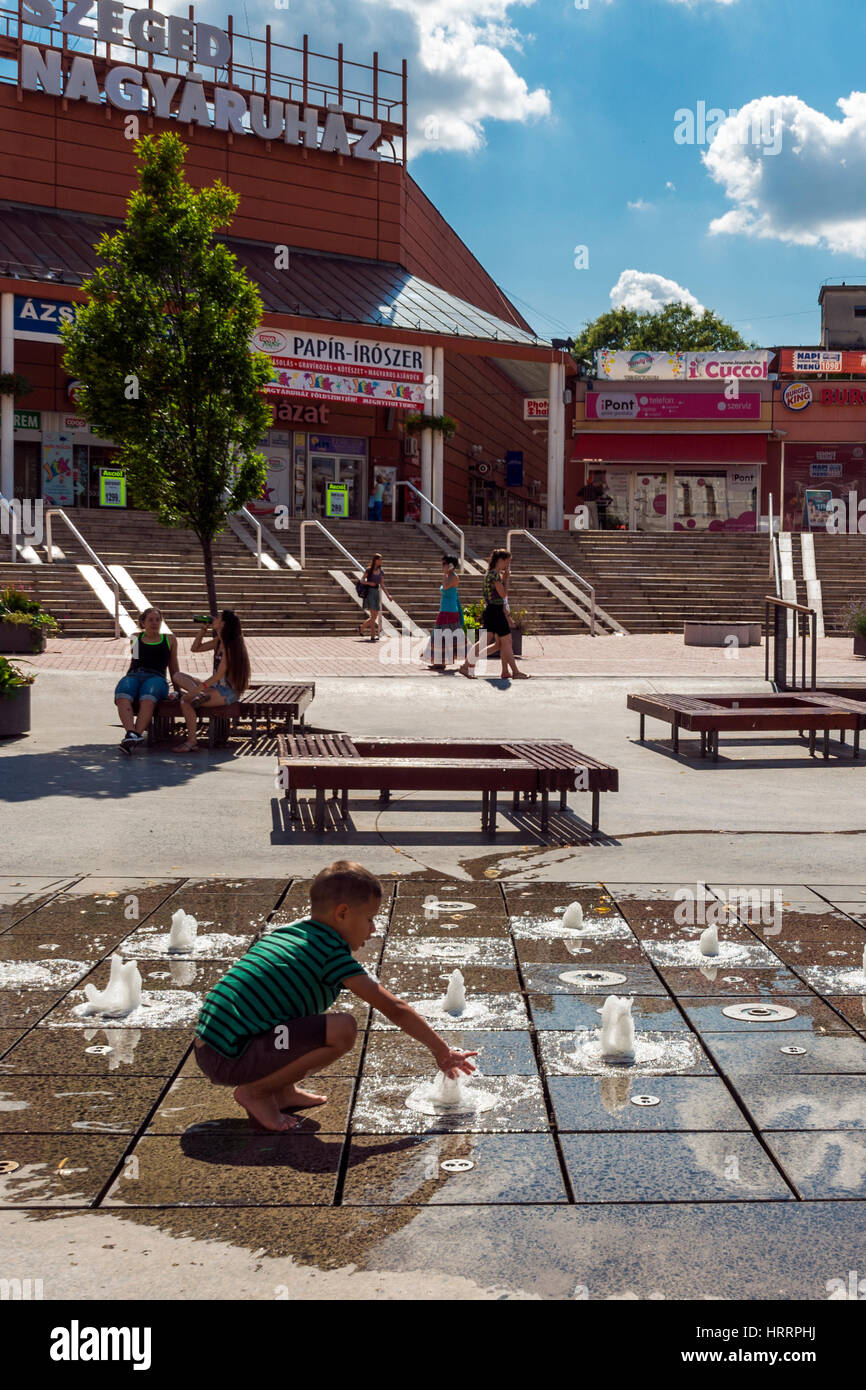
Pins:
x,y
671,187
810,193
640,205
641,290
461,56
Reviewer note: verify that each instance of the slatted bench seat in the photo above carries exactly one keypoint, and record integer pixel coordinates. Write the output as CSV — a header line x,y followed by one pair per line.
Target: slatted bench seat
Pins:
x,y
392,764
273,702
801,710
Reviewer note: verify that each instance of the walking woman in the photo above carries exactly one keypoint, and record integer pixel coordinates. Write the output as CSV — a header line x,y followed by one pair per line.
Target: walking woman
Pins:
x,y
374,580
231,673
154,655
449,622
496,619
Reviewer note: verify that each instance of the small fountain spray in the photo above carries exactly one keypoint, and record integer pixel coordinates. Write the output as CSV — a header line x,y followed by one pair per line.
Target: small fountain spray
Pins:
x,y
454,1000
572,917
183,931
447,1090
709,942
122,994
617,1029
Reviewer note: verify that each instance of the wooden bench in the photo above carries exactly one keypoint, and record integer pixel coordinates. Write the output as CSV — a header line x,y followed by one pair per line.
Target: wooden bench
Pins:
x,y
801,711
393,764
286,703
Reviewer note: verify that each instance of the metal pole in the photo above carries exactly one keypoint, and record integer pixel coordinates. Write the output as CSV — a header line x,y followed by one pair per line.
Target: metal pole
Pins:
x,y
782,491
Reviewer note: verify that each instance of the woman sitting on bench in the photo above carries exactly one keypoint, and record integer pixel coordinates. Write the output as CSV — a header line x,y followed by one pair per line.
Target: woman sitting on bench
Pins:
x,y
231,673
154,657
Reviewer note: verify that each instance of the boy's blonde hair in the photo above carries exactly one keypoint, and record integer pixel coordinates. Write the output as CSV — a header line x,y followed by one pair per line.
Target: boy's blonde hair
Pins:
x,y
343,882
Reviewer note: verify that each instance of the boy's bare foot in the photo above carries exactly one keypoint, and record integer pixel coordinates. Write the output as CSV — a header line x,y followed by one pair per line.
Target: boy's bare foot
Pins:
x,y
292,1098
264,1111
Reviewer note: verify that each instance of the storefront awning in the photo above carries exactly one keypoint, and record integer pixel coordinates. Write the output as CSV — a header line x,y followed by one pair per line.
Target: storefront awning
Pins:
x,y
57,248
642,449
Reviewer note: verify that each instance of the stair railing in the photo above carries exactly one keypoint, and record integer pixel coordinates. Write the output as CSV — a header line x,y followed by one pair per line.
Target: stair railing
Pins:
x,y
253,521
776,615
107,575
438,510
583,582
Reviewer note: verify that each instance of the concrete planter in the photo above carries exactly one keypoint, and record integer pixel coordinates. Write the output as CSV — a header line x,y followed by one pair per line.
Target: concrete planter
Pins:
x,y
18,638
721,634
517,641
860,643
15,714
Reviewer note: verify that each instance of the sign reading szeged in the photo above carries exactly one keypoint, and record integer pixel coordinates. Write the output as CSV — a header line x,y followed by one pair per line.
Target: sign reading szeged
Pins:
x,y
73,76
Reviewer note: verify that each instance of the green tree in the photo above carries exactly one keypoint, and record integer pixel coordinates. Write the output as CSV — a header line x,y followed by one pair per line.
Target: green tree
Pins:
x,y
675,328
162,351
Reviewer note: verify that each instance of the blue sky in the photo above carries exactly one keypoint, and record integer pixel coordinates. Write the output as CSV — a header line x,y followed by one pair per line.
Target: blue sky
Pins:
x,y
616,73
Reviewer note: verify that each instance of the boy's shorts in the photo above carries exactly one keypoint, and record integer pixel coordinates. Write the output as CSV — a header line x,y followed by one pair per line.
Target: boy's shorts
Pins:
x,y
262,1056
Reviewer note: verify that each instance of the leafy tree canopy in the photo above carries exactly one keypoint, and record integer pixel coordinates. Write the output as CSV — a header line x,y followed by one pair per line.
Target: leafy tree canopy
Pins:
x,y
675,328
162,350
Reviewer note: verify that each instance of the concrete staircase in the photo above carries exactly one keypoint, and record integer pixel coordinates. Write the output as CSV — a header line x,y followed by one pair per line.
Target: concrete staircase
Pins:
x,y
841,565
65,594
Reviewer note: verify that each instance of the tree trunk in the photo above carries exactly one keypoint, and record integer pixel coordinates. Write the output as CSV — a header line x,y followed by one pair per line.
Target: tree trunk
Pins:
x,y
209,574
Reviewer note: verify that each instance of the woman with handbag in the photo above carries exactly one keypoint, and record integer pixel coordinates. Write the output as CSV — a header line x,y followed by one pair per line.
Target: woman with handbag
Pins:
x,y
371,601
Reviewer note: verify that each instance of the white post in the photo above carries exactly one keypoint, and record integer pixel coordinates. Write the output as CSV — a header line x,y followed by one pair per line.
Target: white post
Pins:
x,y
556,447
437,496
7,403
427,442
782,491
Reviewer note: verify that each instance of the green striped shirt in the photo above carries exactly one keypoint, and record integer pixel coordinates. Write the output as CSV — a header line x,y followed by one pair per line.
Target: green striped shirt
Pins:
x,y
296,971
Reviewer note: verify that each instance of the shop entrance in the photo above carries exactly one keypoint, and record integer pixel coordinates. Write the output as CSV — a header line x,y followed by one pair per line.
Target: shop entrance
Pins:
x,y
342,461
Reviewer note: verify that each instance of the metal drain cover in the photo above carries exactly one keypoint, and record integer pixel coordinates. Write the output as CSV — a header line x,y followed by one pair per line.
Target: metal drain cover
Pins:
x,y
456,1165
646,1100
602,978
793,1051
99,1051
761,1013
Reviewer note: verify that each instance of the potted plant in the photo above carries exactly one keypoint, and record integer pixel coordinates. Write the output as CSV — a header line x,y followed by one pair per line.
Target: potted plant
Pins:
x,y
445,425
519,616
24,623
855,622
14,700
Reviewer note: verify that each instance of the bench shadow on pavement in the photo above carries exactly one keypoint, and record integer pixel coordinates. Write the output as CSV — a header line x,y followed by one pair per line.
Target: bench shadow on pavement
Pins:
x,y
565,828
99,771
690,754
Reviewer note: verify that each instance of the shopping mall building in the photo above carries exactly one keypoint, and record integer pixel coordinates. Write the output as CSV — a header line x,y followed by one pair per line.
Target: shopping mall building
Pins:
x,y
374,309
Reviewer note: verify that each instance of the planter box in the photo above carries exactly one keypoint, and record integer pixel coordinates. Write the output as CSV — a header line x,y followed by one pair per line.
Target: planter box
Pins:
x,y
860,643
17,638
517,641
720,634
15,714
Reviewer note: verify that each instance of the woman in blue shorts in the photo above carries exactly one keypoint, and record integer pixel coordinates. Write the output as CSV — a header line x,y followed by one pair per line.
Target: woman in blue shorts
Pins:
x,y
153,654
231,673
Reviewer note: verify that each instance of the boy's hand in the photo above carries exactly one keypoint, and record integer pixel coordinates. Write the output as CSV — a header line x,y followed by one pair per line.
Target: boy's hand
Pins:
x,y
452,1061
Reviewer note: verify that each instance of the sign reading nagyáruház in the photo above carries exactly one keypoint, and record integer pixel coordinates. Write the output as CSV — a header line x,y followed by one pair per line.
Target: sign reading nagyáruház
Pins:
x,y
131,89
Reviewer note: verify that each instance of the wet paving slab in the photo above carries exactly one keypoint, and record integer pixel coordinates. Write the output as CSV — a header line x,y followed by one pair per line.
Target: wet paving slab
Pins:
x,y
609,977
193,1103
580,951
649,924
491,1104
427,979
788,1014
57,1170
657,1053
450,951
711,980
155,943
500,1012
499,1054
682,1167
829,1166
852,1007
269,889
455,1169
786,1054
561,1012
64,1104
625,1103
840,949
523,897
237,1168
802,925
731,954
98,1052
454,890
25,1007
411,922
244,915
840,977
50,971
804,1102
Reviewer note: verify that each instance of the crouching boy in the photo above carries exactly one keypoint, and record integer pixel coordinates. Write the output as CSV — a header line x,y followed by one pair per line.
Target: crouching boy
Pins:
x,y
264,1026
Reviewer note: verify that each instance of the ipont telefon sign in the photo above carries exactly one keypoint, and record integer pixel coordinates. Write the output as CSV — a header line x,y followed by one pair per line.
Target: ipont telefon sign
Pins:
x,y
128,88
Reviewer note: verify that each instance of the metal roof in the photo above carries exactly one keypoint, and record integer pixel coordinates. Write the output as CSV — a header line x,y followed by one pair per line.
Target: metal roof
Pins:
x,y
39,244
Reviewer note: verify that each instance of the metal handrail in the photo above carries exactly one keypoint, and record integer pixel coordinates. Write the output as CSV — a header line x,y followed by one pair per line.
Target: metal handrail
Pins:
x,y
333,539
433,507
58,511
801,629
10,510
248,516
589,588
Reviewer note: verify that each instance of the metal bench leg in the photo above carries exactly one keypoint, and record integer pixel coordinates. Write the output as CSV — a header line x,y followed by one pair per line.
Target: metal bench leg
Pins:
x,y
595,800
826,743
344,803
211,733
811,743
676,739
515,801
320,810
563,799
703,743
484,797
856,742
385,795
294,811
642,734
715,738
491,813
545,810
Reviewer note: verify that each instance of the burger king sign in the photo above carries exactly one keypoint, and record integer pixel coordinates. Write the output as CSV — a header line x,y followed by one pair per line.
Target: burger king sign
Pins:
x,y
797,396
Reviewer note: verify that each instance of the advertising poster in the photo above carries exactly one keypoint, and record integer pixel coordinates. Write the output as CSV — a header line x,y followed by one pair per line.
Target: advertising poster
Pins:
x,y
58,481
816,507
